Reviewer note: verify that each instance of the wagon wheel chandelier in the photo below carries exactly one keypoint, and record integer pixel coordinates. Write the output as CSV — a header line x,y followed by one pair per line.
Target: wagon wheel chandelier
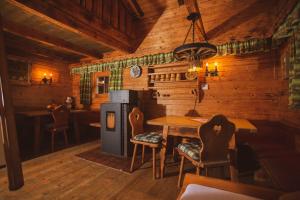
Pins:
x,y
194,52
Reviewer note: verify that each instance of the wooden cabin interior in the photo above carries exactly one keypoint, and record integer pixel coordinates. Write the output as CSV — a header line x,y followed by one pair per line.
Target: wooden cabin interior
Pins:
x,y
149,99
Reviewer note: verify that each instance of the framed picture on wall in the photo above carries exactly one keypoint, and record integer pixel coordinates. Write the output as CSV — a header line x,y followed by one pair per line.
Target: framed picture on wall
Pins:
x,y
19,72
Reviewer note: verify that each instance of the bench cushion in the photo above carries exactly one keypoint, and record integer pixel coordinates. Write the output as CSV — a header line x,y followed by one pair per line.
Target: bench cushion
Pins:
x,y
151,137
191,149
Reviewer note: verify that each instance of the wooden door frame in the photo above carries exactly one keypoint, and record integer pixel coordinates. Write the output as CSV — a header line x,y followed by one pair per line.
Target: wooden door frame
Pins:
x,y
8,124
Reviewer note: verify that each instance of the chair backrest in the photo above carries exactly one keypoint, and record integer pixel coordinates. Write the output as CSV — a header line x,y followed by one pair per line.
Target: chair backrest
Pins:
x,y
136,119
61,117
215,136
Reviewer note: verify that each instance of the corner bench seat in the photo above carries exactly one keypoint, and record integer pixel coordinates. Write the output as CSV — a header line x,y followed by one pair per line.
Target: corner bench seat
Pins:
x,y
284,171
274,148
228,187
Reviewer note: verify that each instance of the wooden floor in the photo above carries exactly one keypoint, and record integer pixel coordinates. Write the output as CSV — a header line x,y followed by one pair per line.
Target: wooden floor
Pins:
x,y
62,175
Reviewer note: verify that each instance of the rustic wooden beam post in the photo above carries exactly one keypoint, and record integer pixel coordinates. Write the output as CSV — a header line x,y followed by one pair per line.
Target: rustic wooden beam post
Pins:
x,y
8,124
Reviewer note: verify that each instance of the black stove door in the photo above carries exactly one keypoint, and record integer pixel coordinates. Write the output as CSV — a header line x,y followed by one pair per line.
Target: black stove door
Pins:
x,y
111,128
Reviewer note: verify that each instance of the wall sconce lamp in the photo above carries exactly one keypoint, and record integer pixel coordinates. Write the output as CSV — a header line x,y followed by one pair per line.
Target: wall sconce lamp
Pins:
x,y
213,72
47,80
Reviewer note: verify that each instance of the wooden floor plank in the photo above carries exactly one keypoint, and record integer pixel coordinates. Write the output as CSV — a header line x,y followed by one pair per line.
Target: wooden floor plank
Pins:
x,y
62,175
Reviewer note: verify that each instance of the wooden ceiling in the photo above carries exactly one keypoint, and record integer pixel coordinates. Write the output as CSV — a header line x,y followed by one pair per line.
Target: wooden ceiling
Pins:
x,y
240,19
225,20
86,29
72,30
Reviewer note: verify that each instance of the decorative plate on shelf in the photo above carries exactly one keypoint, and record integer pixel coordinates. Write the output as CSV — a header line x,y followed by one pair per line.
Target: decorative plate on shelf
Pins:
x,y
135,71
191,75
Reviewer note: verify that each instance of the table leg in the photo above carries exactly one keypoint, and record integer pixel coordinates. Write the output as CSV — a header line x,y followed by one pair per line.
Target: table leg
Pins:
x,y
76,128
163,151
175,153
234,173
37,134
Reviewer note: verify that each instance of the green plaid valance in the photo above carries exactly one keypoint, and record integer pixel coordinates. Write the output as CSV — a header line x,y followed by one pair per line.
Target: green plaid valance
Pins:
x,y
244,47
294,73
230,48
154,59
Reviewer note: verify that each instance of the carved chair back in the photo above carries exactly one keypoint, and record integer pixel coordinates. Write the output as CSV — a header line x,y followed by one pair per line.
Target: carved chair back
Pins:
x,y
215,136
136,119
61,117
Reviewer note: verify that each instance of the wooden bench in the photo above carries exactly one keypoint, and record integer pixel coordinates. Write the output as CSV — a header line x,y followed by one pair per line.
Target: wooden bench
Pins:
x,y
275,150
284,171
239,188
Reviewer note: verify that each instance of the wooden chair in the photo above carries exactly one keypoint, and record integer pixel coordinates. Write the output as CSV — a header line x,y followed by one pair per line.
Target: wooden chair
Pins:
x,y
61,123
212,151
151,139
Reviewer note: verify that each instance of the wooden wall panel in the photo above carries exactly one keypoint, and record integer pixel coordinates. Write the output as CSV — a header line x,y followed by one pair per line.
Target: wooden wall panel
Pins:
x,y
249,86
39,95
76,90
107,18
239,91
140,83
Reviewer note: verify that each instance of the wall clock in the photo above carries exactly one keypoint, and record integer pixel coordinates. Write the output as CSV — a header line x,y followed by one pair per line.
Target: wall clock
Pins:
x,y
135,71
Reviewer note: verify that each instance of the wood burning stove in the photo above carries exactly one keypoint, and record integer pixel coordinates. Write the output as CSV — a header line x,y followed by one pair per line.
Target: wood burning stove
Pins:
x,y
115,128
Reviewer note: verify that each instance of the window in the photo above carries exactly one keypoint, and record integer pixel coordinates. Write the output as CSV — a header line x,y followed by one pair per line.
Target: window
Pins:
x,y
19,72
102,84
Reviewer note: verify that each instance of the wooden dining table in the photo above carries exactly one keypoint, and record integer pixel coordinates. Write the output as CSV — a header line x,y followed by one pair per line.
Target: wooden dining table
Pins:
x,y
38,114
169,122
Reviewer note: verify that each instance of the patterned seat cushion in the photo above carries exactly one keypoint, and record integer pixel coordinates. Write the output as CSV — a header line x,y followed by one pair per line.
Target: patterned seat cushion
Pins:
x,y
151,137
191,149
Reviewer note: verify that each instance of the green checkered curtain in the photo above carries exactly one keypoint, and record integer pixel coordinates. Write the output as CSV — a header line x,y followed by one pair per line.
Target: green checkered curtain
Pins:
x,y
115,79
85,88
294,74
290,28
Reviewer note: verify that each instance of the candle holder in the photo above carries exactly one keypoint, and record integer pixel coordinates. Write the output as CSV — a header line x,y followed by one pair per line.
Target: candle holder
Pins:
x,y
213,72
47,80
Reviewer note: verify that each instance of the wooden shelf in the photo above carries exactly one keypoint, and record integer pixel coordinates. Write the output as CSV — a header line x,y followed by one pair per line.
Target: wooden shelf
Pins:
x,y
173,81
176,64
170,72
170,87
171,69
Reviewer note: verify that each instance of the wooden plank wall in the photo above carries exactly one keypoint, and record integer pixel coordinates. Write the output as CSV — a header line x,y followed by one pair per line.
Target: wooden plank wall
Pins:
x,y
250,86
112,13
39,95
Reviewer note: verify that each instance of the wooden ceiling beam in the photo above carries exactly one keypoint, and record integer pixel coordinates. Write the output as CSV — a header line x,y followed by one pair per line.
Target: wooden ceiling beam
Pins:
x,y
70,16
192,6
36,35
134,7
18,54
20,44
